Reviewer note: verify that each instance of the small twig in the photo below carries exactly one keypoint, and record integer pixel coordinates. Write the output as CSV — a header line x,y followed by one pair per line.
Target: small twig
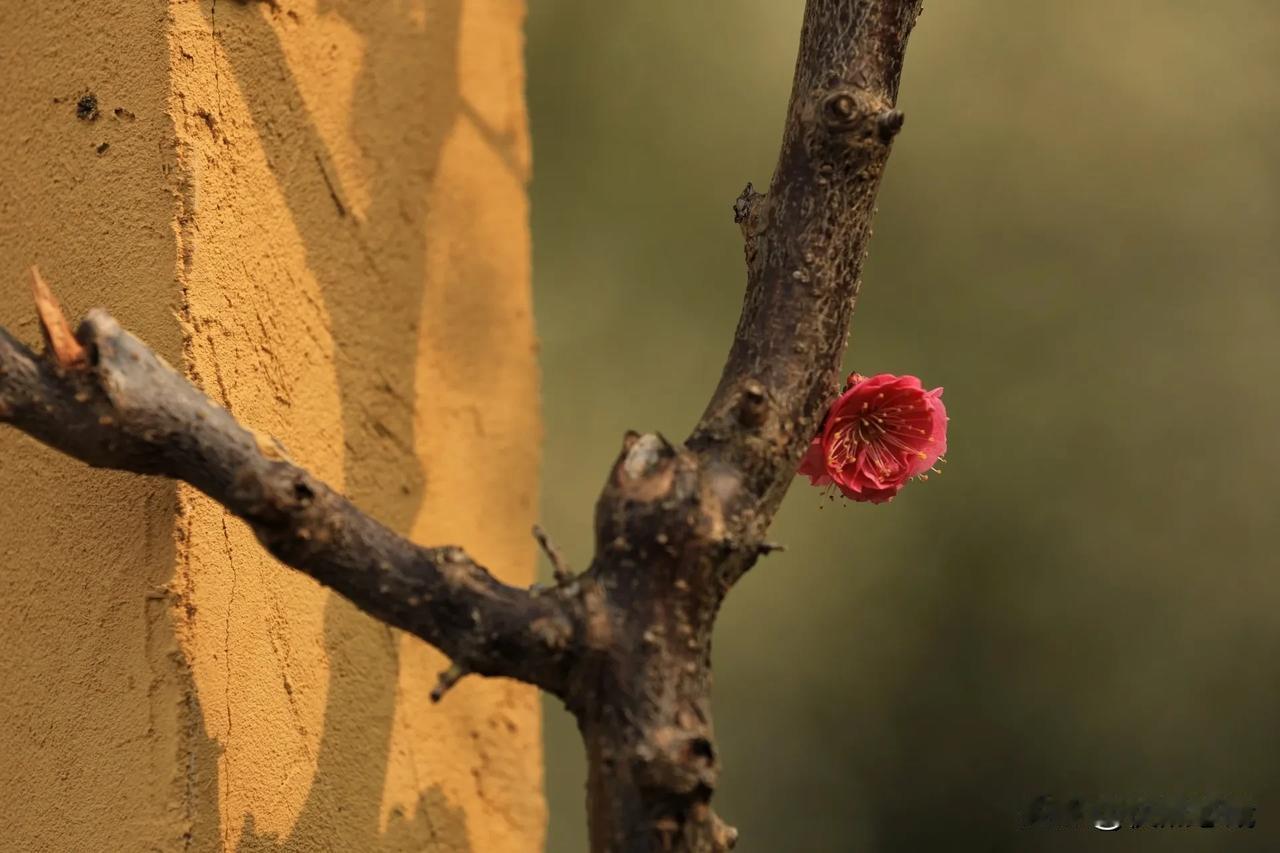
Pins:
x,y
58,337
764,549
560,569
448,679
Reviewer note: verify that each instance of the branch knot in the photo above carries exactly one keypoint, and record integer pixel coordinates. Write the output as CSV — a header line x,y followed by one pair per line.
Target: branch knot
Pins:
x,y
857,116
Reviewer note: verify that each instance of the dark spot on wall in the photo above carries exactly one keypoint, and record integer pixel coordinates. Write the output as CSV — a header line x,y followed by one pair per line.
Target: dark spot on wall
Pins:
x,y
102,149
209,122
87,107
123,114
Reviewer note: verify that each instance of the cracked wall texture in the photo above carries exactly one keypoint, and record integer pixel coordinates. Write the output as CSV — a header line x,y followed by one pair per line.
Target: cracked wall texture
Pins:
x,y
318,208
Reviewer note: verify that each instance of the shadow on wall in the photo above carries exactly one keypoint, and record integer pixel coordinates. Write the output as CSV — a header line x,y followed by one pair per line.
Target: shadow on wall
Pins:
x,y
409,81
435,825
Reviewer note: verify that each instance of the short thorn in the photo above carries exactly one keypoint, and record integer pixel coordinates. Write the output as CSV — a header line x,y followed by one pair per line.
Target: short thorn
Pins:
x,y
559,566
723,836
888,123
448,678
61,342
767,548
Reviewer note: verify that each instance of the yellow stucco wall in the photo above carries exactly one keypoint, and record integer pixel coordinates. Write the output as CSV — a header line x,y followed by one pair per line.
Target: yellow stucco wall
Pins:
x,y
317,207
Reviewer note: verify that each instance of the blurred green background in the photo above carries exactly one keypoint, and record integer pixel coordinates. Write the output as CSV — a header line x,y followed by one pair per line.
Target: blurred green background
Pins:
x,y
1078,238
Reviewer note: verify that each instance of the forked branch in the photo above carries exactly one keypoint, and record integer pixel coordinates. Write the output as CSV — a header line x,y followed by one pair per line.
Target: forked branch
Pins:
x,y
626,644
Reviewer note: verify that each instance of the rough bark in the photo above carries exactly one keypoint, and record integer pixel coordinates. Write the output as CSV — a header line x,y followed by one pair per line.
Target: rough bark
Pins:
x,y
122,407
626,644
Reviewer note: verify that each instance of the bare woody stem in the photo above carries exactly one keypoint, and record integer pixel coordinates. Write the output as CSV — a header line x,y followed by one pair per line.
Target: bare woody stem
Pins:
x,y
677,526
806,240
123,407
627,643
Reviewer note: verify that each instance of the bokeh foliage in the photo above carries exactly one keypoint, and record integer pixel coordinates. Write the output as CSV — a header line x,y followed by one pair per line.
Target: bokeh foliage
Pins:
x,y
1078,238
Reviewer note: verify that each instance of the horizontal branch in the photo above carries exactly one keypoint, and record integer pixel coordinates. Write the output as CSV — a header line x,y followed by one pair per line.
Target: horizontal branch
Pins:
x,y
118,405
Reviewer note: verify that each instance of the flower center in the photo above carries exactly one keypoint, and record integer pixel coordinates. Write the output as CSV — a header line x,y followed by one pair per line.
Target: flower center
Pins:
x,y
885,433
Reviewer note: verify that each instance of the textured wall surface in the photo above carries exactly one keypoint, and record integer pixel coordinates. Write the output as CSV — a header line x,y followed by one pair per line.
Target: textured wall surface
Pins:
x,y
318,208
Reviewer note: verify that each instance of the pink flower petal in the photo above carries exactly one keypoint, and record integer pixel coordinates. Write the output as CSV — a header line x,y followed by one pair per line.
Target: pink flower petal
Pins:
x,y
882,431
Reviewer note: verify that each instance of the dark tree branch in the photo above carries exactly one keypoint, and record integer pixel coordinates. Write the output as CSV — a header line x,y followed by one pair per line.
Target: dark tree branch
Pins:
x,y
124,408
805,242
676,527
627,643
